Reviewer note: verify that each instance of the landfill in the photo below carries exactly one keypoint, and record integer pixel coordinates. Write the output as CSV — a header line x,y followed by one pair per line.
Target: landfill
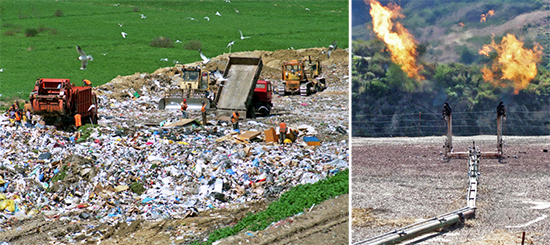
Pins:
x,y
139,164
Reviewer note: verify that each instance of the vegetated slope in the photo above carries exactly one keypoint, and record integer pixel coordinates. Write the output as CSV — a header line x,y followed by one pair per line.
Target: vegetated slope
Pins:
x,y
385,102
39,38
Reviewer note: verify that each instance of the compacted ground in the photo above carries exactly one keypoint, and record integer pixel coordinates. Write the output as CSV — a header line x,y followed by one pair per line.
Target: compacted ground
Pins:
x,y
399,181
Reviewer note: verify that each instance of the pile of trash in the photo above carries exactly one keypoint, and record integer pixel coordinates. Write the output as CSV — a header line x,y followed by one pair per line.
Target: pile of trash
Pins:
x,y
138,163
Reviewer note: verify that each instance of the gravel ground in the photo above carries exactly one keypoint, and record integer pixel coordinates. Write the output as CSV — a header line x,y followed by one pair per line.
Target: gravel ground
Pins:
x,y
398,181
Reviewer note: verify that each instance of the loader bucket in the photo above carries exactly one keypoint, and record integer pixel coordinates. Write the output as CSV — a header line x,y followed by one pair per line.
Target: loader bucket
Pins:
x,y
174,103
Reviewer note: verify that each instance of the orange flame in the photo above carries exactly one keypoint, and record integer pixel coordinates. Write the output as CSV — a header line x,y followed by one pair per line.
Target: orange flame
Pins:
x,y
398,39
513,62
484,16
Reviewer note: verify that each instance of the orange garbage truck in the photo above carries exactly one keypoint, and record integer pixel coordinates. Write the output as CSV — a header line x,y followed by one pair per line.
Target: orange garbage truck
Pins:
x,y
59,100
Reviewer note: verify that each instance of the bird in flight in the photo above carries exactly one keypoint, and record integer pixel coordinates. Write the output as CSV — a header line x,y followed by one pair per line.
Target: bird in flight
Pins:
x,y
120,24
218,14
229,45
206,18
164,59
83,57
205,59
143,16
243,37
330,48
123,34
219,77
191,18
237,11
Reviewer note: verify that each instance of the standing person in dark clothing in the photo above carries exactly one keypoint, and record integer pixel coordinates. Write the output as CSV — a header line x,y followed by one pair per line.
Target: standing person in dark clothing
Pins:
x,y
203,110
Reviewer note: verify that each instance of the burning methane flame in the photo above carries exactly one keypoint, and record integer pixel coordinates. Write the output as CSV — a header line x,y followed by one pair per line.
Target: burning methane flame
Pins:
x,y
513,62
488,14
398,39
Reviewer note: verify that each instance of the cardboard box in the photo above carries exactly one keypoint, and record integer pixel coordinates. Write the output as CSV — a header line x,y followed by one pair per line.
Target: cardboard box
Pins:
x,y
248,135
271,135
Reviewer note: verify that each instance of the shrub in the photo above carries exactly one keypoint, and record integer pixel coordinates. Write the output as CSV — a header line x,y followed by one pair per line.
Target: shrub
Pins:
x,y
136,9
58,13
193,45
9,32
9,24
162,42
31,32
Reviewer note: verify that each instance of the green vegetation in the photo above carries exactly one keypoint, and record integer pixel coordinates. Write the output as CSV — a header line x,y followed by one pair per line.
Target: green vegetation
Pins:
x,y
290,203
386,102
272,24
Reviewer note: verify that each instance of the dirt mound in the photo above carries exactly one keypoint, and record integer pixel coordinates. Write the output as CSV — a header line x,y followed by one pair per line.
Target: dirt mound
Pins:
x,y
123,87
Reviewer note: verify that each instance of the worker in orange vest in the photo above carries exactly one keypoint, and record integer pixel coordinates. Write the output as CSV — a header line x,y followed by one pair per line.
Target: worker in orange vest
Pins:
x,y
87,82
184,108
282,131
203,110
235,119
77,120
17,119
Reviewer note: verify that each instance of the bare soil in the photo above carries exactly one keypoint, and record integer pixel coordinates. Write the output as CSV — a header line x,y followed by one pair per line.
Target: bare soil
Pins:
x,y
44,230
399,181
326,223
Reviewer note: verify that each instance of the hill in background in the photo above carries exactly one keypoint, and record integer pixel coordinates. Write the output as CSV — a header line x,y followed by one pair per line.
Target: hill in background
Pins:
x,y
386,102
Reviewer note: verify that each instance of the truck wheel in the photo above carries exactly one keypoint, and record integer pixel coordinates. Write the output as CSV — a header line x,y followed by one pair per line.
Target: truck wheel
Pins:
x,y
251,113
264,111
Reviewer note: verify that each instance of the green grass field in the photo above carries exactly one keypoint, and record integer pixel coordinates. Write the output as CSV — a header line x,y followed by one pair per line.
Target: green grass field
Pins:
x,y
272,25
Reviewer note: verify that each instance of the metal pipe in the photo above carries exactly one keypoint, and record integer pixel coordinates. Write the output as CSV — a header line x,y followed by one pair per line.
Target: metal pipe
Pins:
x,y
420,228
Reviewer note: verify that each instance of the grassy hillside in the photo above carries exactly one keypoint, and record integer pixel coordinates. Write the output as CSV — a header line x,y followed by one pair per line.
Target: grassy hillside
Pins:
x,y
385,102
61,25
450,28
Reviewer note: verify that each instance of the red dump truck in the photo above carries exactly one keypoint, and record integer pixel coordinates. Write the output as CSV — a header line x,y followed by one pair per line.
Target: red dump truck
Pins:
x,y
261,99
58,101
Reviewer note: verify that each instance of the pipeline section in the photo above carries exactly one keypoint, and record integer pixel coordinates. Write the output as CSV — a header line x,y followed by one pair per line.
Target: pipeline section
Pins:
x,y
439,221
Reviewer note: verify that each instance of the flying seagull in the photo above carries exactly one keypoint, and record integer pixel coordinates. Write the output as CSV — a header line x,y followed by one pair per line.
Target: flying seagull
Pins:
x,y
229,45
191,18
307,9
330,48
237,11
219,77
242,37
124,34
218,14
164,59
83,57
178,41
206,18
205,59
120,24
143,16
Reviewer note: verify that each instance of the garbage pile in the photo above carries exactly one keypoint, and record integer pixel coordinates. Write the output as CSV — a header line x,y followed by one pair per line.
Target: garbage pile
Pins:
x,y
133,165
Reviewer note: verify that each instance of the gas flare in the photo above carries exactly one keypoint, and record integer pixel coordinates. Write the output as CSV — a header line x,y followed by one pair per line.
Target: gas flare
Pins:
x,y
488,14
398,39
513,62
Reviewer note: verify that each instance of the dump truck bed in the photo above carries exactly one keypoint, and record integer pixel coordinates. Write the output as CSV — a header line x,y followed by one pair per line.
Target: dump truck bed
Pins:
x,y
242,73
